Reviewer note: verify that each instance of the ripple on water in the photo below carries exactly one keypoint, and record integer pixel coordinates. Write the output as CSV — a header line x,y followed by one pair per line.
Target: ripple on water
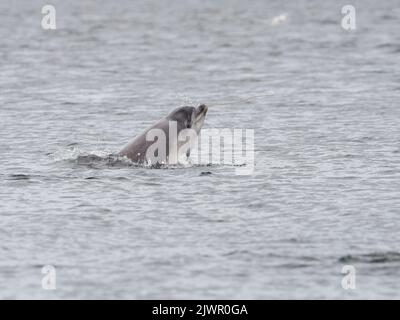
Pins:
x,y
18,177
374,257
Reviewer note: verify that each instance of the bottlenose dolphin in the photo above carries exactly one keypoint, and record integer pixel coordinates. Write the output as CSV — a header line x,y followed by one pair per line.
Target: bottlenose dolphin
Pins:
x,y
166,140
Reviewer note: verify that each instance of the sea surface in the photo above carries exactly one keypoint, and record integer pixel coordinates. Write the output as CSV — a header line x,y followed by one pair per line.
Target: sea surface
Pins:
x,y
324,106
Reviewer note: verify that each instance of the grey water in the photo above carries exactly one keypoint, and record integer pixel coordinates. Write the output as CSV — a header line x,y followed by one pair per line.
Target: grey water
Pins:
x,y
324,106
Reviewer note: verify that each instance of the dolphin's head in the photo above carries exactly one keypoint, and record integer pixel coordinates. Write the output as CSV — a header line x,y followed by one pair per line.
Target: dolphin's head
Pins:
x,y
189,117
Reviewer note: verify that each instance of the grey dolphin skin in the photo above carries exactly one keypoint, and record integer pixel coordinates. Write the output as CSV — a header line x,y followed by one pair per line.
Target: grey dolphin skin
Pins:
x,y
184,118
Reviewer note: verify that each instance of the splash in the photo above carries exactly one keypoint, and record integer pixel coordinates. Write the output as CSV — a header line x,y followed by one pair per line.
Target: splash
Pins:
x,y
221,101
105,159
277,20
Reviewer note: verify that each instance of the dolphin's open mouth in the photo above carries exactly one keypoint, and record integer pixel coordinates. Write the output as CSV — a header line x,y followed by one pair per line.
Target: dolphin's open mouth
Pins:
x,y
200,116
201,112
202,108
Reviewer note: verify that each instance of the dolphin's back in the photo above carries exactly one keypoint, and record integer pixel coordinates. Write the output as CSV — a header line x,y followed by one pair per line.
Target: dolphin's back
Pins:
x,y
137,148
